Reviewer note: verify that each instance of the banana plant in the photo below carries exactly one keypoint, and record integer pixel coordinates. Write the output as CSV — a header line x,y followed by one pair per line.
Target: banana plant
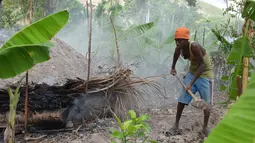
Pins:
x,y
24,50
238,124
31,45
135,31
241,48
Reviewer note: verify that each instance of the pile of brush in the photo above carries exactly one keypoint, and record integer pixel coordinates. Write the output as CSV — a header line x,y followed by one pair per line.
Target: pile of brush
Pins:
x,y
72,103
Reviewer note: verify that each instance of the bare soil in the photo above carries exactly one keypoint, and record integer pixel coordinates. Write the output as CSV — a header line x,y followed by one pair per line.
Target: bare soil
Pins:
x,y
161,120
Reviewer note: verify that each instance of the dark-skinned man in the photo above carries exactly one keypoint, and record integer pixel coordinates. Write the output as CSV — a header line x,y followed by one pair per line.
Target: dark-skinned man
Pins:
x,y
198,79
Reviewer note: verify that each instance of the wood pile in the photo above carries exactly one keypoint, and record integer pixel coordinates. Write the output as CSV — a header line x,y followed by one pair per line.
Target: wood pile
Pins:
x,y
49,103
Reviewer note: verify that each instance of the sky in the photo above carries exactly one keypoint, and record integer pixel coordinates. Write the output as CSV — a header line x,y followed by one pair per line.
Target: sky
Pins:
x,y
217,3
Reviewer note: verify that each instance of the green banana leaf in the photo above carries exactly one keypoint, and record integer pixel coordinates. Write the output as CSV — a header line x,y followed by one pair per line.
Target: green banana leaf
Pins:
x,y
136,31
169,40
40,31
238,125
31,45
250,9
226,46
240,49
15,60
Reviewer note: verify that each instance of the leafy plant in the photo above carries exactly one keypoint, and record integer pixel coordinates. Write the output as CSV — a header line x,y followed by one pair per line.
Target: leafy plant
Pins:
x,y
239,123
21,52
31,45
133,130
241,48
14,99
135,31
226,46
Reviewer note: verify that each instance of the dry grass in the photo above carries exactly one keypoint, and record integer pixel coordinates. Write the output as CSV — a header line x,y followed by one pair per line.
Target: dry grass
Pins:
x,y
122,85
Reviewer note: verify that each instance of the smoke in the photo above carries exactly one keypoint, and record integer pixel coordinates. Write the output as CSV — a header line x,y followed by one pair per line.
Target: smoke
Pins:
x,y
150,53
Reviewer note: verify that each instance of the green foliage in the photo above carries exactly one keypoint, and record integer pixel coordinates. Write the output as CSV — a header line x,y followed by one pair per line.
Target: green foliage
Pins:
x,y
249,10
241,48
30,46
107,7
17,59
41,31
238,124
192,2
225,45
136,30
18,10
10,13
133,130
14,99
21,52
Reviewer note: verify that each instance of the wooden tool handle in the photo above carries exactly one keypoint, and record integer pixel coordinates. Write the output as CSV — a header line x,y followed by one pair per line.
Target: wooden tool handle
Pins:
x,y
190,93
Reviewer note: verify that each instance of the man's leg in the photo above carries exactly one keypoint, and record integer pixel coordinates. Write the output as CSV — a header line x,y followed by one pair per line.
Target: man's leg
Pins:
x,y
180,108
204,88
184,99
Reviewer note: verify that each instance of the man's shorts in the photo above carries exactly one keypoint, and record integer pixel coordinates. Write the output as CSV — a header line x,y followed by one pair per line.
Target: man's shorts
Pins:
x,y
202,85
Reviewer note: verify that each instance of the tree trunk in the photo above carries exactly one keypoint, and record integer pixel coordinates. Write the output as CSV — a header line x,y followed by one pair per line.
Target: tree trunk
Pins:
x,y
89,45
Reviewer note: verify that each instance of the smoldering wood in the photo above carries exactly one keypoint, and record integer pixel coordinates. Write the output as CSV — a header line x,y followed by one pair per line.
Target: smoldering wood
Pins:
x,y
59,104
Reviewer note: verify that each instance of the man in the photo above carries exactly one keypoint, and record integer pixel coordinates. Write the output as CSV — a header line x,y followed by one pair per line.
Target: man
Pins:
x,y
197,79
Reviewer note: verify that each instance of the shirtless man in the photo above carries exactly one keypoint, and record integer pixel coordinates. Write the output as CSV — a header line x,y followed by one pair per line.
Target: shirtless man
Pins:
x,y
196,80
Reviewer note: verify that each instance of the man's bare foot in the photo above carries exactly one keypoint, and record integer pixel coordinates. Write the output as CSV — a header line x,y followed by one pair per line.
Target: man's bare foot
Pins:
x,y
173,131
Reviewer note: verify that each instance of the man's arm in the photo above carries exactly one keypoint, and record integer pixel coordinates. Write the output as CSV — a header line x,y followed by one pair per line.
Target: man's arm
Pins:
x,y
196,51
177,53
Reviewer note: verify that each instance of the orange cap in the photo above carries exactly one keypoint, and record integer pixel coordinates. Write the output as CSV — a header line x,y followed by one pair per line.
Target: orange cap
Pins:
x,y
182,33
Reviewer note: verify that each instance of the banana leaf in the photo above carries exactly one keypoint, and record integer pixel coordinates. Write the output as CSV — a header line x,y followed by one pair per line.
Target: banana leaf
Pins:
x,y
240,49
249,10
15,60
136,31
238,125
169,40
31,45
40,31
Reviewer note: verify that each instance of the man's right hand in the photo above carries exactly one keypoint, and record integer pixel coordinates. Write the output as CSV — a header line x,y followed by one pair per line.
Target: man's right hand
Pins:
x,y
173,72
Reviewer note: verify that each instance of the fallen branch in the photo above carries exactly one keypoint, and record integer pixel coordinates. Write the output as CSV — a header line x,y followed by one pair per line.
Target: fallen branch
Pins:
x,y
34,138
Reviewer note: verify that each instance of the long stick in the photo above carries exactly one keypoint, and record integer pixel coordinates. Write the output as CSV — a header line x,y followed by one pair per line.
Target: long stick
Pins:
x,y
26,96
89,47
190,93
116,42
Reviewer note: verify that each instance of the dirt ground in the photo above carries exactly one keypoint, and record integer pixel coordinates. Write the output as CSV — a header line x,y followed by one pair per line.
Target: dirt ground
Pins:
x,y
161,120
